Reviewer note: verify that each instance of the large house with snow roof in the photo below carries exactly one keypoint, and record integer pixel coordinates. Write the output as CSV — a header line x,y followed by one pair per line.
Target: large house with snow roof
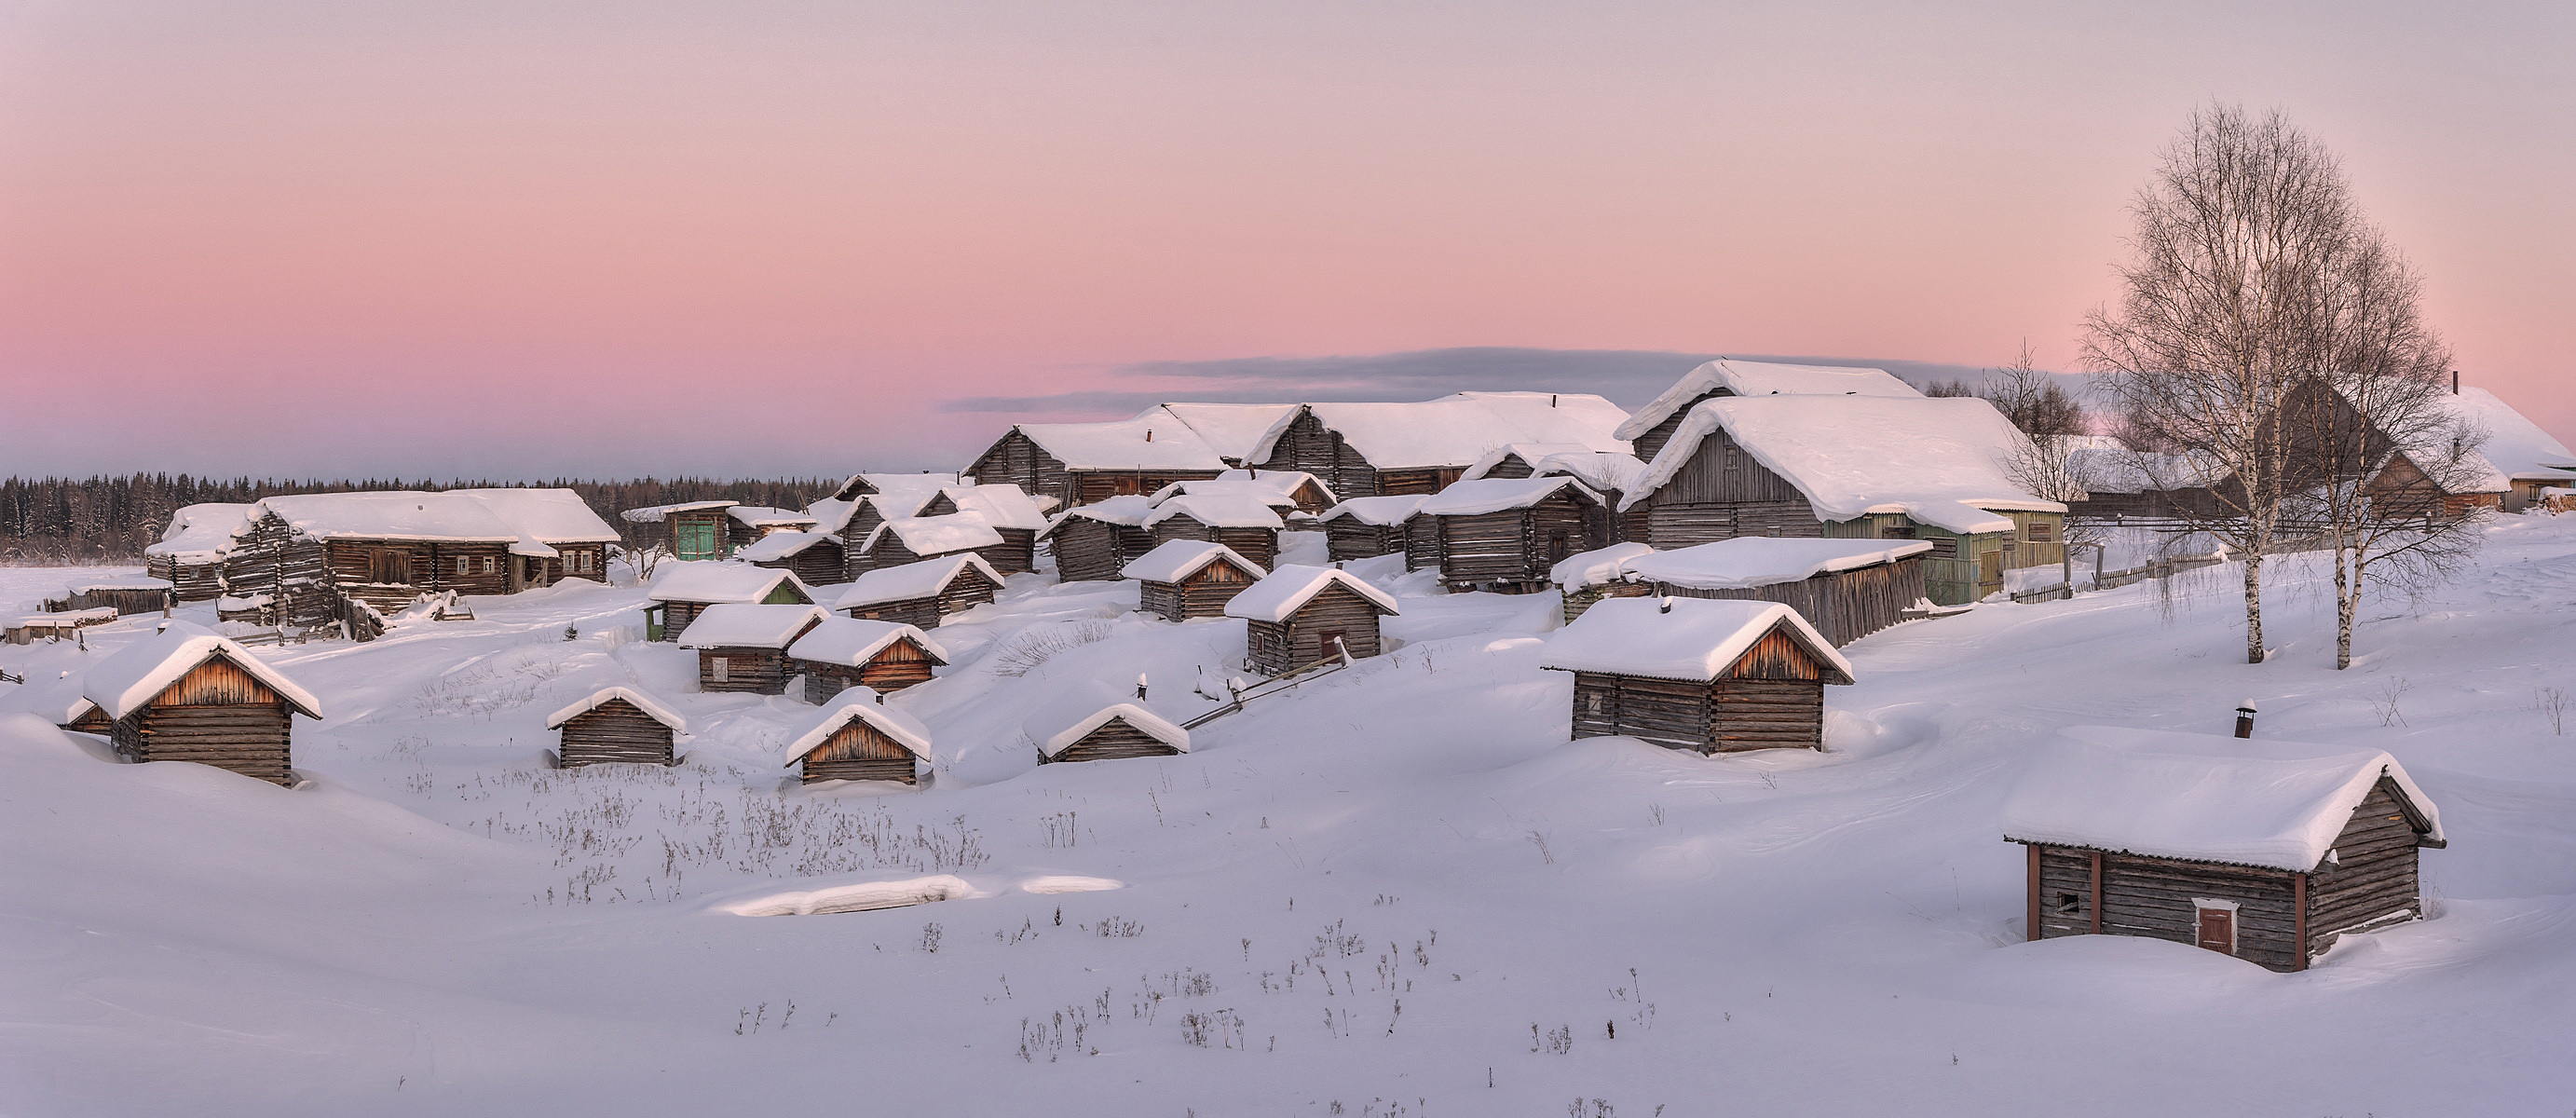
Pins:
x,y
1699,674
185,694
1858,466
1368,449
302,556
1078,463
1652,426
2265,850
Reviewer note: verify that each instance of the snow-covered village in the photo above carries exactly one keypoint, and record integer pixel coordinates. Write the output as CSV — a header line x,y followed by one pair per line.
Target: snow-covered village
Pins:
x,y
2172,720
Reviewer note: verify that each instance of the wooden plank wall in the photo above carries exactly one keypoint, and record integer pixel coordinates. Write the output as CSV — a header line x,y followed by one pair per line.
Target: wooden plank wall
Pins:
x,y
2374,872
758,671
900,665
1089,550
1348,538
1422,543
614,731
859,752
1115,740
1275,648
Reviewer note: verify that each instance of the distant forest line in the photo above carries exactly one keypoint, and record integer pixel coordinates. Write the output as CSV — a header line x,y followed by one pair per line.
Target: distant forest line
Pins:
x,y
110,520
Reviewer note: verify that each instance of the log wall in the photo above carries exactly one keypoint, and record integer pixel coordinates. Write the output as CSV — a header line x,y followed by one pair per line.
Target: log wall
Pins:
x,y
900,665
1203,594
1843,605
614,731
1115,740
1349,538
858,751
758,671
1088,550
1275,648
2373,872
1512,550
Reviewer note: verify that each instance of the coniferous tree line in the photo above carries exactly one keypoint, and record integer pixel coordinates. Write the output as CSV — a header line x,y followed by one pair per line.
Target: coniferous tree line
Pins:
x,y
56,520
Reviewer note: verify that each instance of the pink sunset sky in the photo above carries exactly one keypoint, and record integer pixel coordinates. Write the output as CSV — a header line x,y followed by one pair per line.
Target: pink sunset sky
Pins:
x,y
533,238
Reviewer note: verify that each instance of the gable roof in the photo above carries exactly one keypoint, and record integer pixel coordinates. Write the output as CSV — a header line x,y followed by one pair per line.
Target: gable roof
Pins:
x,y
749,625
202,533
1275,488
1231,430
859,704
925,579
1763,378
863,483
936,535
1127,510
761,517
1495,494
2515,448
651,707
1695,639
1226,510
1602,470
835,516
1085,707
1749,561
1458,429
1528,453
529,520
545,515
136,674
1290,586
2202,797
1380,511
1154,440
713,581
1940,461
781,544
853,641
57,700
1174,560
1001,505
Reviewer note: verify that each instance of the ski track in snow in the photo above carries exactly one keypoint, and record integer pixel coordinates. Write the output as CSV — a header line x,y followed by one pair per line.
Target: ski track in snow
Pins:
x,y
1396,891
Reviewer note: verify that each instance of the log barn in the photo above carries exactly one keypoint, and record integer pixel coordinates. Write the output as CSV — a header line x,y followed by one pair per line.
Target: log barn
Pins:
x,y
873,484
1503,534
742,646
1079,463
1696,673
1243,523
1651,427
681,591
860,519
1231,430
191,551
1367,527
307,552
126,594
1094,542
1589,576
1373,450
921,594
858,737
911,539
1847,589
1298,616
695,531
184,694
1101,727
2265,850
1183,579
845,652
1010,513
617,725
1286,491
815,556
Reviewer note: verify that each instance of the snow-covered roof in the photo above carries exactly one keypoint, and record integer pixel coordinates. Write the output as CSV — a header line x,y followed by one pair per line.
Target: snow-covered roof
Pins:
x,y
1457,430
1127,510
2201,797
1528,453
1748,561
550,516
1763,378
203,533
1380,511
937,535
2515,447
1598,567
1495,494
853,641
1232,430
651,707
655,514
859,704
1082,708
1002,506
716,581
1291,585
125,681
57,699
750,625
1277,496
1155,440
888,505
1174,560
116,582
67,619
1603,470
924,579
1694,639
925,482
780,545
759,517
530,520
1940,461
1224,510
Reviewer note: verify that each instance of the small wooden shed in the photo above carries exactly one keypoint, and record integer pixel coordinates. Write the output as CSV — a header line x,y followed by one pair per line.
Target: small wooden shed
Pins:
x,y
743,646
1245,523
845,652
1300,615
58,700
1694,673
1287,491
921,594
2265,850
858,737
184,694
815,557
1011,513
861,518
618,724
1503,534
127,595
1367,527
1096,541
1108,730
1586,577
911,539
62,625
1846,588
682,591
1183,579
695,531
752,522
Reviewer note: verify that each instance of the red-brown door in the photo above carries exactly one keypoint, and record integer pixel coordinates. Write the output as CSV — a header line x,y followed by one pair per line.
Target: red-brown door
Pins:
x,y
1328,643
2218,930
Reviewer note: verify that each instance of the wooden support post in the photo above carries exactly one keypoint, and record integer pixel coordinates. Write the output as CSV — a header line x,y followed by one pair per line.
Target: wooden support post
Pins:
x,y
2031,927
2097,893
2299,917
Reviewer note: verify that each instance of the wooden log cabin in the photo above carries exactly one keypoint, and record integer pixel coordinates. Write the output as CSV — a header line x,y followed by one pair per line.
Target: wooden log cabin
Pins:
x,y
1367,527
1372,450
183,694
2268,851
923,594
1504,534
190,553
1298,616
857,737
1010,513
1183,579
1590,576
1651,428
695,531
859,520
1847,589
845,652
753,522
1080,463
1094,542
58,625
1856,467
1243,523
875,484
59,701
911,539
1097,727
742,646
387,549
1699,674
681,591
816,557
617,725
1285,491
128,595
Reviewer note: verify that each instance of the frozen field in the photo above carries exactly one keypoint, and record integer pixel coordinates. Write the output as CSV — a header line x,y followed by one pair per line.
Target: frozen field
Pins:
x,y
1398,891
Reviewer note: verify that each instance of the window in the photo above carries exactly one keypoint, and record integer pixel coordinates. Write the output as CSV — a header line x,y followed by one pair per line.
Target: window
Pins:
x,y
719,669
461,564
2070,904
491,564
1896,529
2216,927
1945,547
2041,531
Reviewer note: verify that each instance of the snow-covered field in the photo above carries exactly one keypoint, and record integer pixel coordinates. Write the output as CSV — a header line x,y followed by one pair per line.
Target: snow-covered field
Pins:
x,y
1398,891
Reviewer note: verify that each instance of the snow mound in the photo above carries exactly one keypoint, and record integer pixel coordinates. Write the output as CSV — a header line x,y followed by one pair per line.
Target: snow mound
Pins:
x,y
862,897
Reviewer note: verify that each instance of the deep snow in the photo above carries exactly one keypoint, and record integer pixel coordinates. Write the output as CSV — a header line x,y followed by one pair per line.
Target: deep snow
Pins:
x,y
1397,890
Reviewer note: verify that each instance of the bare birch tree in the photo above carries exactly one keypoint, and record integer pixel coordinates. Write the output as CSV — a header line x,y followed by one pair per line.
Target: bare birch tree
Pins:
x,y
2046,463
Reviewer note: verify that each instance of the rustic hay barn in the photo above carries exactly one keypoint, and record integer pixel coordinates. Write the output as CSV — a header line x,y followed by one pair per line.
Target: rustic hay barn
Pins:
x,y
696,531
1694,673
1245,523
2265,850
1094,542
816,557
681,591
846,652
1367,527
191,551
921,594
1183,579
619,724
1101,727
1376,449
1847,589
1589,576
1651,427
860,519
858,737
1299,615
184,694
911,539
1502,534
1010,513
126,594
1079,463
742,646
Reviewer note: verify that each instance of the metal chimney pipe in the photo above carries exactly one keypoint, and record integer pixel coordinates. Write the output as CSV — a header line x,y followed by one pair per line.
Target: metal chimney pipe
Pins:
x,y
2245,719
2455,382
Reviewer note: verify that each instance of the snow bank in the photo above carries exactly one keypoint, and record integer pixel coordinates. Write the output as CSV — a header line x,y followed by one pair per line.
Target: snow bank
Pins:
x,y
863,897
1275,597
142,670
1692,639
750,625
1763,378
1748,561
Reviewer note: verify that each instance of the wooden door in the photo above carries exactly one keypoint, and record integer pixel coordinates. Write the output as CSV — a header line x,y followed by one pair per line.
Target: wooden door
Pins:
x,y
2218,930
390,565
1990,572
1328,643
